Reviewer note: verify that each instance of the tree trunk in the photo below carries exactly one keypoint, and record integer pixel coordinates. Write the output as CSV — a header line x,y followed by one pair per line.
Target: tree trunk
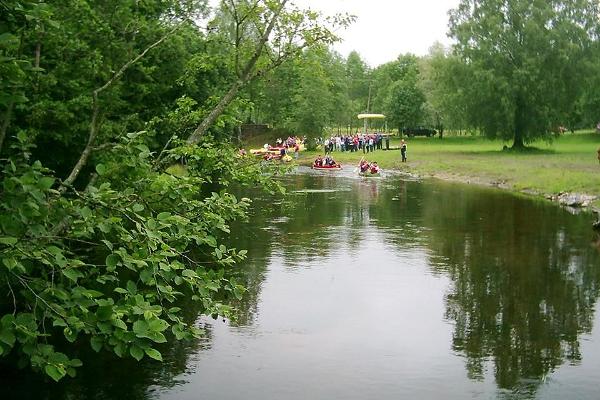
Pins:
x,y
214,114
247,74
85,155
6,122
518,140
520,116
94,125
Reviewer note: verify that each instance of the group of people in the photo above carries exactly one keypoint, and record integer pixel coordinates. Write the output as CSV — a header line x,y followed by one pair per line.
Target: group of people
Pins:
x,y
366,167
290,142
284,147
327,161
366,142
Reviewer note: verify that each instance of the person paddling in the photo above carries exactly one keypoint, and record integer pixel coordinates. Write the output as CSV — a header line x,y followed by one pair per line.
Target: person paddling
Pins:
x,y
364,166
374,168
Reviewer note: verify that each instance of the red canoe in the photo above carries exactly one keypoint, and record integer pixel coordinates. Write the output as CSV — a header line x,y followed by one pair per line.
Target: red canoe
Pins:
x,y
328,167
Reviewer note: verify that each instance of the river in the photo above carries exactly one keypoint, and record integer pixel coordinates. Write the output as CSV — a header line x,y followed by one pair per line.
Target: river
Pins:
x,y
388,288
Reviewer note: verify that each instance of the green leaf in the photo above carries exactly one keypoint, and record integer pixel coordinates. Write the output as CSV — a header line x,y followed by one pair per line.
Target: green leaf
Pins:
x,y
46,183
137,207
104,313
156,337
157,325
7,336
163,216
7,320
96,342
120,349
72,274
8,240
101,169
59,322
119,324
188,273
140,328
55,372
211,241
76,363
7,37
112,260
70,335
131,287
136,352
10,263
154,354
86,212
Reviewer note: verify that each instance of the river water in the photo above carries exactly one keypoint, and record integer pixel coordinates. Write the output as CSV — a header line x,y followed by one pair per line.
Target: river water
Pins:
x,y
365,288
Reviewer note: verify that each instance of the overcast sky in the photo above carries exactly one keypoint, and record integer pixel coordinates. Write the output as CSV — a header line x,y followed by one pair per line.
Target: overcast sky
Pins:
x,y
385,29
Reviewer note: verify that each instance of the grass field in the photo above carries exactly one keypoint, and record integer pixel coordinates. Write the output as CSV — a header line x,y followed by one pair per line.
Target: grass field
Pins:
x,y
568,164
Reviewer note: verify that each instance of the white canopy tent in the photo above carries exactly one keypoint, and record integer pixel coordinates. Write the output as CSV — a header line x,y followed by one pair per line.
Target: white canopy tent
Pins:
x,y
367,117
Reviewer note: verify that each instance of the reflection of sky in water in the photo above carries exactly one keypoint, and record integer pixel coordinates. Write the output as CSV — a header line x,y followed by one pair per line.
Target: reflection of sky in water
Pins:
x,y
372,289
336,327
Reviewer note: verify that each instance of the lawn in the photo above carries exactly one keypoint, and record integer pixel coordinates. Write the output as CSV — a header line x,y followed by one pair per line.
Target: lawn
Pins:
x,y
568,164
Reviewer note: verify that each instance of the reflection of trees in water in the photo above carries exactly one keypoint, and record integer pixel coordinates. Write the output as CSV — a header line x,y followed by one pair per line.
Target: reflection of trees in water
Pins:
x,y
524,288
523,285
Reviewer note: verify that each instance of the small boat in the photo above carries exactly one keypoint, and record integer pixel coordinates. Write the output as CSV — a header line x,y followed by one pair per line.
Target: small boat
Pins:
x,y
369,174
328,167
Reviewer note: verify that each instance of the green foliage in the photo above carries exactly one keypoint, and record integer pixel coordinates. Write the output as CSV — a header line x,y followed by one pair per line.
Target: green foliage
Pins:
x,y
404,98
106,261
526,63
108,265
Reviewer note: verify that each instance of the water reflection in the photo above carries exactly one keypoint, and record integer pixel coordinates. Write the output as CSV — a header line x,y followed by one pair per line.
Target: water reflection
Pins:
x,y
523,279
524,285
363,288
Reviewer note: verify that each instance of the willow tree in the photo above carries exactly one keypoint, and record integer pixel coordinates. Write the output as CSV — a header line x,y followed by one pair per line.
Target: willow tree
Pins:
x,y
262,35
526,61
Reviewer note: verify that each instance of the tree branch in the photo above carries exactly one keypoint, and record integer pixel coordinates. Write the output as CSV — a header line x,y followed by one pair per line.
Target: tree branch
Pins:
x,y
235,87
94,125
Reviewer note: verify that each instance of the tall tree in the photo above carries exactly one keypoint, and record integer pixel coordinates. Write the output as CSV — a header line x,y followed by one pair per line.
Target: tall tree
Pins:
x,y
444,77
358,81
405,99
314,100
104,263
526,61
262,35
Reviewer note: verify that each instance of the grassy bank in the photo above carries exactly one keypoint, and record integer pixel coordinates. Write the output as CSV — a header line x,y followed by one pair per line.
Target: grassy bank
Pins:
x,y
568,164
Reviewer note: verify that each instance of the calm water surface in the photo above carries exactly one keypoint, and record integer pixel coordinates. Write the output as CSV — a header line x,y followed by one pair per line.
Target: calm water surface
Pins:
x,y
389,289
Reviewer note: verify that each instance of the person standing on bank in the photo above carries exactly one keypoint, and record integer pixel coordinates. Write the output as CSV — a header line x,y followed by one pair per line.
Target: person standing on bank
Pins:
x,y
403,150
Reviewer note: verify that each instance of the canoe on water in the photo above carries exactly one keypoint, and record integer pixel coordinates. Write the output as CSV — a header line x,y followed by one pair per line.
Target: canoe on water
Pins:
x,y
370,174
328,167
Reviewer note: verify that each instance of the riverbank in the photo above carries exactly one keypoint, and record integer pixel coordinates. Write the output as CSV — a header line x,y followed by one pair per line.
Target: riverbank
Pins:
x,y
567,165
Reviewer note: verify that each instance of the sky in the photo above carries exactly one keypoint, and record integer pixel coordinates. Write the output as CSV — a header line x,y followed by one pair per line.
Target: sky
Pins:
x,y
384,29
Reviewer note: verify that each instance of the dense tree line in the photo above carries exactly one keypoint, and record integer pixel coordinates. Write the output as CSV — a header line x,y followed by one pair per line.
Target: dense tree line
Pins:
x,y
115,118
519,70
